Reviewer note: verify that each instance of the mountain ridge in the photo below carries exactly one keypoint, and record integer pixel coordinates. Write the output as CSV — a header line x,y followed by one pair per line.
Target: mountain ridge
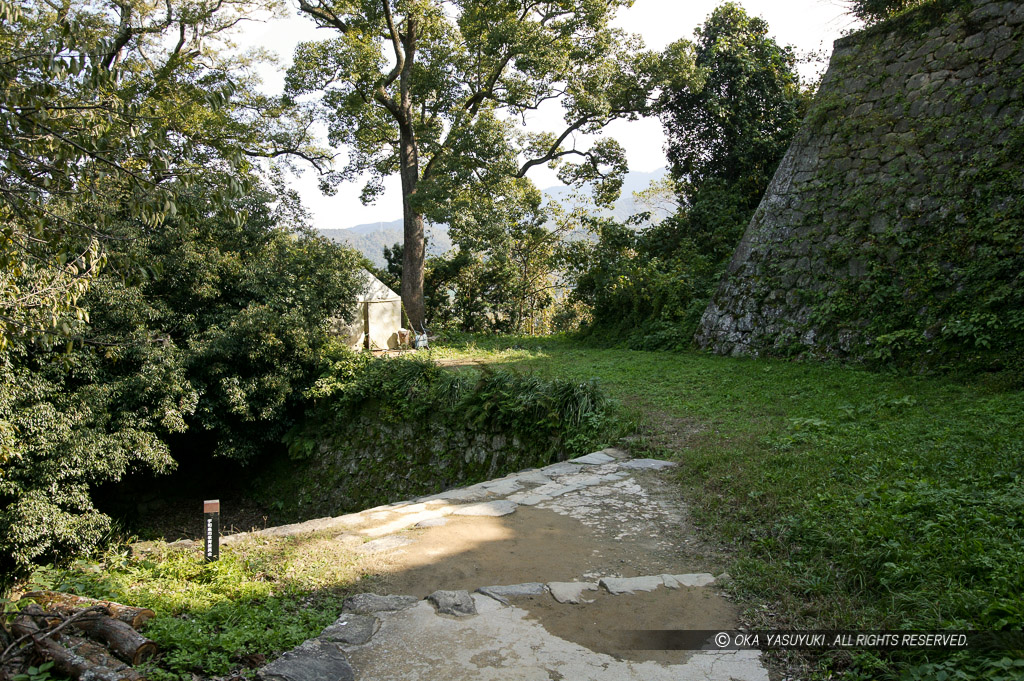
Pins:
x,y
370,238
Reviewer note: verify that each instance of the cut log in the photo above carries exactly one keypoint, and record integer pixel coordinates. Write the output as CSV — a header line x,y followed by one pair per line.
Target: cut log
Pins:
x,y
100,656
64,660
66,603
44,619
123,641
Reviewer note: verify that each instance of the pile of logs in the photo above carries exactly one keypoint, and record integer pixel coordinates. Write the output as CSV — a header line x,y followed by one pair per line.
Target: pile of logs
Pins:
x,y
85,639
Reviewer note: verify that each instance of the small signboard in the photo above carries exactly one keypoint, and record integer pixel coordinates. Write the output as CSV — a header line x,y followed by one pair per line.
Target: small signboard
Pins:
x,y
211,529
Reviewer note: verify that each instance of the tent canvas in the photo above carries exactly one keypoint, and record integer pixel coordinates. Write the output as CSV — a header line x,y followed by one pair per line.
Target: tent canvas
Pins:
x,y
378,317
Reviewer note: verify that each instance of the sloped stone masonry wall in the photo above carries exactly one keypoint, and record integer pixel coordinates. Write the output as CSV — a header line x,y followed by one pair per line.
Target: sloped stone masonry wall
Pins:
x,y
894,220
371,461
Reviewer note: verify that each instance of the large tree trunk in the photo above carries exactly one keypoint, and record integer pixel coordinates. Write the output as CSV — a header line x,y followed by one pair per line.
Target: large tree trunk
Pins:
x,y
414,248
409,164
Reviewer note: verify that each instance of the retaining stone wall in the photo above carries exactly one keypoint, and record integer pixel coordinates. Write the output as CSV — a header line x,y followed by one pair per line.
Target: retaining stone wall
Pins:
x,y
900,199
372,461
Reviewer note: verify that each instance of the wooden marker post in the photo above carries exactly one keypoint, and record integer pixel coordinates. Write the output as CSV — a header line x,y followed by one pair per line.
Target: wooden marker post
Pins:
x,y
211,529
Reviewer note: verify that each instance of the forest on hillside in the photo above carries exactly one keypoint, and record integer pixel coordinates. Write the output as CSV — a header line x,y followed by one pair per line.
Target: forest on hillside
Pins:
x,y
164,297
166,304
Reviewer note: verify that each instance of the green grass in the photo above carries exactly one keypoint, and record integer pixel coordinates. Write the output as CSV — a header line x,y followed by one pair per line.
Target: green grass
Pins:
x,y
853,499
262,598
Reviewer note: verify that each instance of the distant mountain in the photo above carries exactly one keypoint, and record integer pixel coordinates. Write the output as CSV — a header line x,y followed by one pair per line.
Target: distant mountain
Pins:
x,y
371,238
627,205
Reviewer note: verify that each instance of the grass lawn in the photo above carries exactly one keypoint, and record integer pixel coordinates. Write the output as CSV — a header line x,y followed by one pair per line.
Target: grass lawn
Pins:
x,y
226,618
854,500
851,499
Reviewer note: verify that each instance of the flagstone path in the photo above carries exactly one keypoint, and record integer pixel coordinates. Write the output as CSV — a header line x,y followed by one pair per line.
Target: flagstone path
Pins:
x,y
538,575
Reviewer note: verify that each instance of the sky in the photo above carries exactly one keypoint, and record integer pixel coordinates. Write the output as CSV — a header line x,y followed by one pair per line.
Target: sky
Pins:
x,y
807,25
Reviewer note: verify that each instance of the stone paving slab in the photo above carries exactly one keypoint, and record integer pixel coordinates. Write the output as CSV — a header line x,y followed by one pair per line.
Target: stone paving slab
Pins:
x,y
503,593
554,489
570,592
351,629
593,459
503,643
494,509
454,603
529,498
314,660
562,468
628,585
503,487
533,477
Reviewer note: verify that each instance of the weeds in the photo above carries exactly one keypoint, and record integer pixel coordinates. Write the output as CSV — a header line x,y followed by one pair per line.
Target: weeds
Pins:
x,y
261,598
855,499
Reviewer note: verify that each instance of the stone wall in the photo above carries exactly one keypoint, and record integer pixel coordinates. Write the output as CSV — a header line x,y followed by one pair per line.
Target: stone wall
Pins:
x,y
374,459
894,222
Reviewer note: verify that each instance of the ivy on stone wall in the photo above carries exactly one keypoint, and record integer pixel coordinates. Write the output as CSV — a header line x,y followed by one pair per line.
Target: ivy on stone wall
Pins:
x,y
387,429
893,231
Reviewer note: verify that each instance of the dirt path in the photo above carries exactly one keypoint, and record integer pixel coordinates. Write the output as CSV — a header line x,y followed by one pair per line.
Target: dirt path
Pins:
x,y
538,575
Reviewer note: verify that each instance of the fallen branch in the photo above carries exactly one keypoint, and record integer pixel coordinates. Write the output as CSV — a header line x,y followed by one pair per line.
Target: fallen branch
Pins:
x,y
36,611
123,641
100,656
68,603
63,659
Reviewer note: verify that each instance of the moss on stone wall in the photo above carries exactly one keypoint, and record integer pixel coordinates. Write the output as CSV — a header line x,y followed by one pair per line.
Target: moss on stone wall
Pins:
x,y
392,429
894,227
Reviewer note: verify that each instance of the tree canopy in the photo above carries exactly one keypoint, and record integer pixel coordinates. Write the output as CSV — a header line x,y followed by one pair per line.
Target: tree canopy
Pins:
x,y
730,106
431,91
154,287
110,108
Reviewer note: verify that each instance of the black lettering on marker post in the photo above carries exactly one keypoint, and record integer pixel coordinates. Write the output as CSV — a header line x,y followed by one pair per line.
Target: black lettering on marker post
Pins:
x,y
211,531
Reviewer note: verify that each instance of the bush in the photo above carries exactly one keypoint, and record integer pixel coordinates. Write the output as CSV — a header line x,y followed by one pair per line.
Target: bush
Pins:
x,y
873,11
204,335
389,429
413,389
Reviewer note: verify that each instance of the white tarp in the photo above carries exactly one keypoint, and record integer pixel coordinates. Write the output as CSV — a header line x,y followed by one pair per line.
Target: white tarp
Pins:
x,y
378,314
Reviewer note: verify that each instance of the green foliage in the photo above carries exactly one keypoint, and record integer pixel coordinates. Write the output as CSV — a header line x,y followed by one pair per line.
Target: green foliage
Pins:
x,y
211,351
136,235
415,389
387,429
503,277
878,10
259,600
410,389
647,287
40,673
732,120
62,440
252,307
105,118
729,112
855,500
